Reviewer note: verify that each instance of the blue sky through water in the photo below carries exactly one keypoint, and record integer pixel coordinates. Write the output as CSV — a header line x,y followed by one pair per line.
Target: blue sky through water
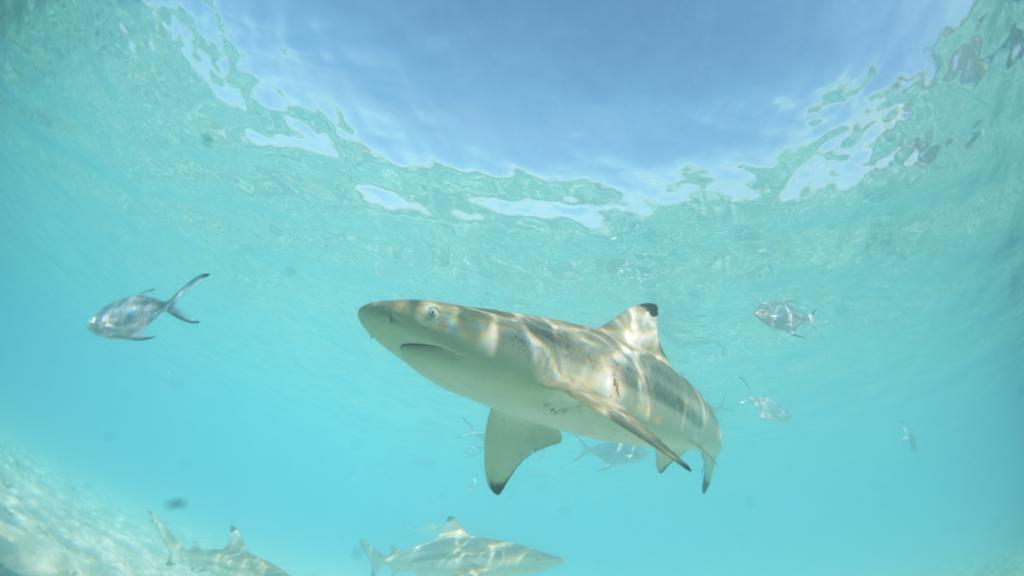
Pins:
x,y
623,93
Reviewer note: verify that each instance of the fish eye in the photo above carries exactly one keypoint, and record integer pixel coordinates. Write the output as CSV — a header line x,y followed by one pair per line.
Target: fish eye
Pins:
x,y
431,313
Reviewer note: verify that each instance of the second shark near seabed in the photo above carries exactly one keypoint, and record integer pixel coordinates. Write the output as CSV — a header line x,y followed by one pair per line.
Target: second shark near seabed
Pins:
x,y
541,376
232,560
456,553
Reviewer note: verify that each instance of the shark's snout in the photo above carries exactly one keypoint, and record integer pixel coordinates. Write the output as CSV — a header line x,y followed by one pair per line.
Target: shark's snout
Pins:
x,y
412,329
376,315
386,322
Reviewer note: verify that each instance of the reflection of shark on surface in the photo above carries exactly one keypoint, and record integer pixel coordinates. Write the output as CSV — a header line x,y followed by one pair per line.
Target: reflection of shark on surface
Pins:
x,y
232,560
541,376
612,453
455,553
767,408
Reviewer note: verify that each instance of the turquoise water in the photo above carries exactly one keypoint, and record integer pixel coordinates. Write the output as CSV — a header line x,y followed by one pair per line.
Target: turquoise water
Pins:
x,y
898,214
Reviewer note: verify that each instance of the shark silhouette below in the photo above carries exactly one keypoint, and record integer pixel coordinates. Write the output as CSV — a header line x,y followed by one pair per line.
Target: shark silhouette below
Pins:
x,y
232,560
456,553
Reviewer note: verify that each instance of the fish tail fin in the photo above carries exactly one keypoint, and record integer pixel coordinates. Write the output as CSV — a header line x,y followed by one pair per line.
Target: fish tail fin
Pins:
x,y
709,468
721,405
171,304
376,560
174,548
810,320
584,449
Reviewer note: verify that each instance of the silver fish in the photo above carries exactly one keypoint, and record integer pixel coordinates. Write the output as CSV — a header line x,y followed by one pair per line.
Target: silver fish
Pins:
x,y
456,553
477,436
612,453
783,316
232,560
767,408
127,318
908,436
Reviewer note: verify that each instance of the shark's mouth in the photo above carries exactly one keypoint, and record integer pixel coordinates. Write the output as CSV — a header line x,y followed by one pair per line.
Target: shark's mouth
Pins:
x,y
412,351
421,348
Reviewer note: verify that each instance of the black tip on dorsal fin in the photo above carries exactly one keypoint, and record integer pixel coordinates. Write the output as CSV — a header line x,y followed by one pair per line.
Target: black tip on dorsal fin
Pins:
x,y
652,309
450,518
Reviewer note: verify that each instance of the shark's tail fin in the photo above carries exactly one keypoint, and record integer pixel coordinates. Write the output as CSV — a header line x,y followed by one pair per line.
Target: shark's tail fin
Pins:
x,y
584,449
172,310
376,560
174,549
721,405
810,320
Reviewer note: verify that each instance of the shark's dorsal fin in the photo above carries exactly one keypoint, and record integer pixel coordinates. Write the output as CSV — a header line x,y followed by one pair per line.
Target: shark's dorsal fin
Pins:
x,y
508,442
235,543
637,326
452,529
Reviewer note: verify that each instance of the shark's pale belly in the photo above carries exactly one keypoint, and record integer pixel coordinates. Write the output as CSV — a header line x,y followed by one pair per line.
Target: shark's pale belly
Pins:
x,y
553,408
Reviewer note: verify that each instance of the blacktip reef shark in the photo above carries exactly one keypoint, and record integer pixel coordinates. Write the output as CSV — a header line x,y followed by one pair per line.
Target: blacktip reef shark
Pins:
x,y
456,553
127,318
542,376
232,560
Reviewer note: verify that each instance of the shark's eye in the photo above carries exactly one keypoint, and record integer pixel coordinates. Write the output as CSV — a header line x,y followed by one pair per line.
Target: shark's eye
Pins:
x,y
431,313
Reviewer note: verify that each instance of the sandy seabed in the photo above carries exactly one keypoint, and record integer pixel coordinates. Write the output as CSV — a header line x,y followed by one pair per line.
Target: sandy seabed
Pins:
x,y
49,526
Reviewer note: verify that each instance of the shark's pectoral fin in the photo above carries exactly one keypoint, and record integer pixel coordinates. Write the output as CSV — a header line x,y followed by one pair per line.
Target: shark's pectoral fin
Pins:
x,y
141,338
508,442
615,412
